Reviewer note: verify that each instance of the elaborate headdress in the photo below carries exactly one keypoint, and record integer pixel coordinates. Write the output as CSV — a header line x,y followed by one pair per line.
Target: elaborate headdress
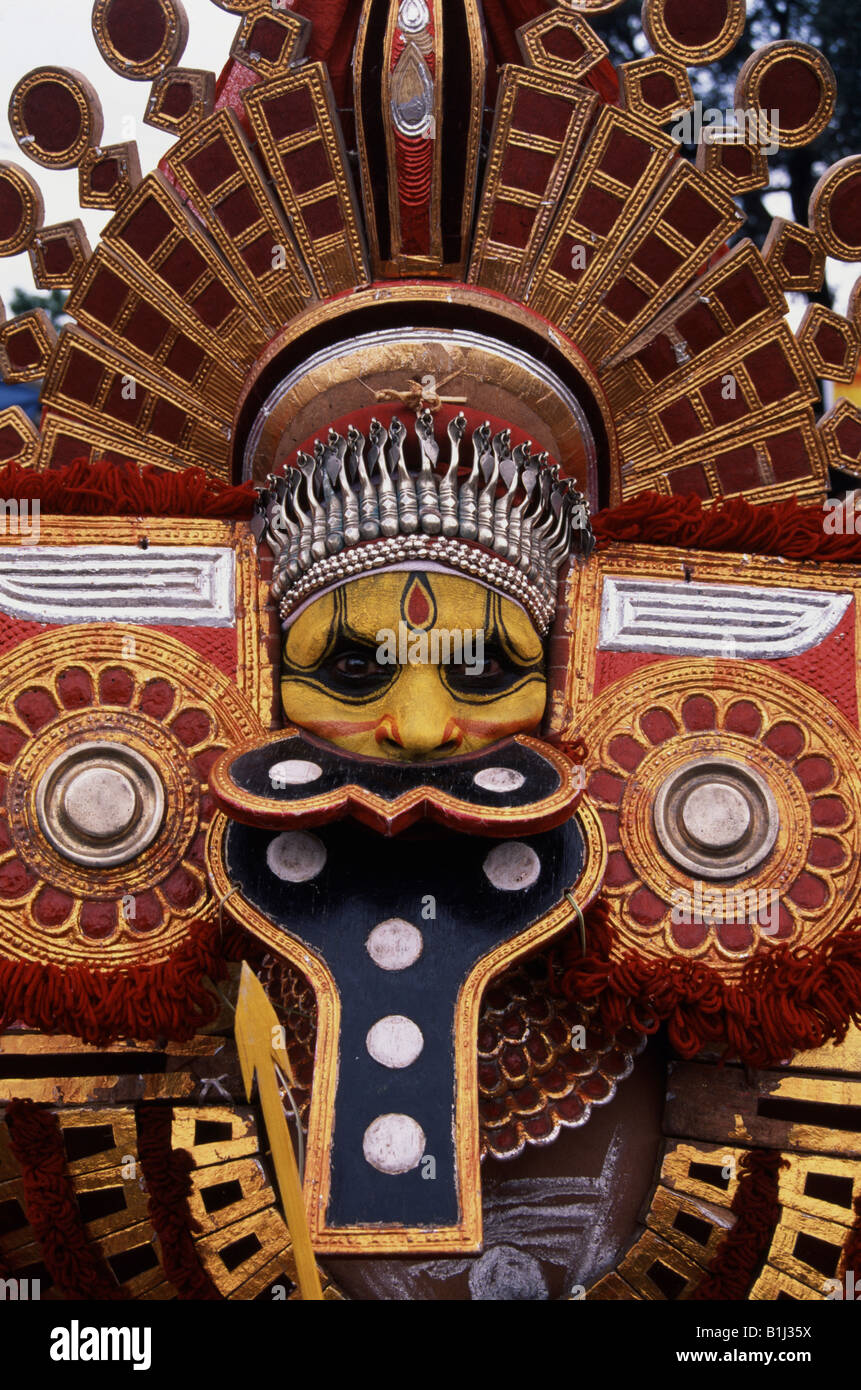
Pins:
x,y
525,240
590,303
509,520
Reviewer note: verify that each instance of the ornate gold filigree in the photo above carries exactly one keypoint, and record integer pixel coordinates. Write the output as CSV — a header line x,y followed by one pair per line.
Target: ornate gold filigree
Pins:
x,y
641,730
166,703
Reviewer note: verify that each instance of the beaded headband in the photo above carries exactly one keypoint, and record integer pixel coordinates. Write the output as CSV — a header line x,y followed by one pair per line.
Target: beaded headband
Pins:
x,y
351,510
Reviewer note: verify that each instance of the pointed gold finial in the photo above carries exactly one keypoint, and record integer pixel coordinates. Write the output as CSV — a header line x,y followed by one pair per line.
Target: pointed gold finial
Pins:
x,y
257,1029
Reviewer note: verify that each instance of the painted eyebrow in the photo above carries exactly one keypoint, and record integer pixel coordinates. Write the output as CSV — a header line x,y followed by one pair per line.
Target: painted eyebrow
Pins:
x,y
506,642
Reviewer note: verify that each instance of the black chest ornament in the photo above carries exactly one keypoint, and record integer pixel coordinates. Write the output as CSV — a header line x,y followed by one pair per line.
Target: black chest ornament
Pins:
x,y
399,934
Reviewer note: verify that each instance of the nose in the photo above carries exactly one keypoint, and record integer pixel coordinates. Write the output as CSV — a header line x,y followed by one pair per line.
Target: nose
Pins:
x,y
419,720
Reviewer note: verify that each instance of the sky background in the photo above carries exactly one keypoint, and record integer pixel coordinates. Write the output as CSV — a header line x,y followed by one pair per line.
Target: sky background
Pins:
x,y
45,33
37,33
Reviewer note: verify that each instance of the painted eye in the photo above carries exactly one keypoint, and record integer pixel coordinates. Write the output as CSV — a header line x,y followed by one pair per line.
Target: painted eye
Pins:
x,y
489,667
494,673
356,667
356,671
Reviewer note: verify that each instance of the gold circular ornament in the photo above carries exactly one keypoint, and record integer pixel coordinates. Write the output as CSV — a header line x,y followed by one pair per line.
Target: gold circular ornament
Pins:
x,y
716,816
835,209
669,731
100,803
668,879
107,735
55,115
140,38
694,35
22,209
793,86
40,784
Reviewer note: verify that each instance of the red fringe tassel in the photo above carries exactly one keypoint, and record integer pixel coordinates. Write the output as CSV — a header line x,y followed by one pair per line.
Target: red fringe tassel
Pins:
x,y
170,1000
742,1254
786,1001
103,488
166,1172
75,1264
777,528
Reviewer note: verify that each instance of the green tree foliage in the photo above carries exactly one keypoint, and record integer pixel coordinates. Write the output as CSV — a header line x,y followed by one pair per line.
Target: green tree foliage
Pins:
x,y
53,302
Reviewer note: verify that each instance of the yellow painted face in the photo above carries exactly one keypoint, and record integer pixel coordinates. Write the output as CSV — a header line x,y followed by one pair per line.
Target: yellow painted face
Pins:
x,y
413,666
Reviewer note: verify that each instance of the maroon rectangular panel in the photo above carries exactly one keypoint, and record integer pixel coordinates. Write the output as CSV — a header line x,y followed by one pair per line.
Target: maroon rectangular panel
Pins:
x,y
222,176
299,137
539,126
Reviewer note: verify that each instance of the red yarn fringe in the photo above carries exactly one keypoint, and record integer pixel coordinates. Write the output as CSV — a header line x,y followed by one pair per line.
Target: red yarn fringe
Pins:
x,y
75,1264
776,528
742,1254
166,1172
170,1000
103,488
787,999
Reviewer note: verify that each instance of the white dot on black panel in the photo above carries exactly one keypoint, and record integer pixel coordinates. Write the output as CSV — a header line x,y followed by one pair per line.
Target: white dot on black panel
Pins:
x,y
293,772
295,856
394,1144
511,867
394,944
499,779
395,1041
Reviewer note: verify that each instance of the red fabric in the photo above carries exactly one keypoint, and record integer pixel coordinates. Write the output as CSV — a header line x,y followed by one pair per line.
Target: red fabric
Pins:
x,y
415,169
501,20
125,489
605,80
829,667
742,1253
786,1001
778,528
166,1172
169,1000
234,81
75,1264
333,39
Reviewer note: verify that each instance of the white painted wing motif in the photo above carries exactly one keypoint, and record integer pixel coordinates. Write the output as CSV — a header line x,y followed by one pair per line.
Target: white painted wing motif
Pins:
x,y
672,618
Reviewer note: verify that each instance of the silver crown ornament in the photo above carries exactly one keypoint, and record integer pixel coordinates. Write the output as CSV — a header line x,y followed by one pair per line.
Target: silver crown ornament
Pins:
x,y
361,505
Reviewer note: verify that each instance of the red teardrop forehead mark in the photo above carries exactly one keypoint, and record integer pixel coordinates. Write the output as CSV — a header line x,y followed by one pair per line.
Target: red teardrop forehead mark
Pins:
x,y
418,604
418,608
